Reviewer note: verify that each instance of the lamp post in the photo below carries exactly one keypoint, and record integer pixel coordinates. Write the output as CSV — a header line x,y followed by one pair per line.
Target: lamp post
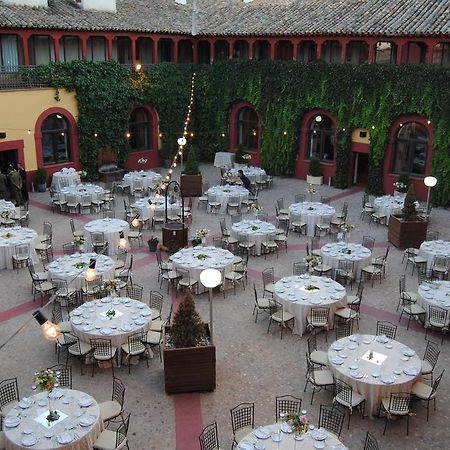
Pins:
x,y
210,278
429,183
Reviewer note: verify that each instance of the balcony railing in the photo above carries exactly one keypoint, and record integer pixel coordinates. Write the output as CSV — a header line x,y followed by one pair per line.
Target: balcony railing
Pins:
x,y
11,78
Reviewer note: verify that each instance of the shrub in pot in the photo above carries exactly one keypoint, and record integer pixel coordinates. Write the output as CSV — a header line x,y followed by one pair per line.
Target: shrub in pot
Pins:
x,y
41,179
315,172
239,154
191,178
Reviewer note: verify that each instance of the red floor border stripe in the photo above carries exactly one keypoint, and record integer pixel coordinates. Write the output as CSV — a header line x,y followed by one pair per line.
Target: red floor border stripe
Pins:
x,y
188,421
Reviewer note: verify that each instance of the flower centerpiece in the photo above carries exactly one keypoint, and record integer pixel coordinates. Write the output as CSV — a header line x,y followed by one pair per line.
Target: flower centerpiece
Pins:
x,y
346,227
311,190
246,157
78,240
111,286
312,261
254,227
400,186
227,190
255,208
46,380
299,423
80,265
346,251
7,235
200,236
110,314
5,214
201,256
83,174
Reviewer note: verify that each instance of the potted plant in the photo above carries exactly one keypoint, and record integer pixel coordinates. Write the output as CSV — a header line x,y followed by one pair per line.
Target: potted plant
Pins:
x,y
407,229
167,152
191,178
315,172
189,358
238,156
401,186
41,179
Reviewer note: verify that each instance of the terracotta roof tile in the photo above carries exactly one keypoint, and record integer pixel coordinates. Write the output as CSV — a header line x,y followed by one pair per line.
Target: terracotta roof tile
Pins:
x,y
233,17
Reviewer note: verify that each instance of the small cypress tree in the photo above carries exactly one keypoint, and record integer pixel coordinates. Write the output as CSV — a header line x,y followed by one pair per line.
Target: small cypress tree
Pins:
x,y
239,154
187,327
409,210
191,167
314,167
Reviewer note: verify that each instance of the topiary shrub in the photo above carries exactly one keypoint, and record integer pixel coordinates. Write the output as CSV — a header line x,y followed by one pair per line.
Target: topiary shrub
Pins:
x,y
187,328
409,210
239,154
315,170
191,167
41,176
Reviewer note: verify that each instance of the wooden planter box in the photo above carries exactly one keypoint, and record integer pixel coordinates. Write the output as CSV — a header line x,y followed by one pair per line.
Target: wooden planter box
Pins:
x,y
314,180
189,369
191,185
404,234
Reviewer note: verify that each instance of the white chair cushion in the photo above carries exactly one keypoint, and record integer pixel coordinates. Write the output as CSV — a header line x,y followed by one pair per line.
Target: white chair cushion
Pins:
x,y
109,409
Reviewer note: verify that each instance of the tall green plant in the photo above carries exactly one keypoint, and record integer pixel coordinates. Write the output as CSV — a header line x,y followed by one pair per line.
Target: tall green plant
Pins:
x,y
409,210
191,167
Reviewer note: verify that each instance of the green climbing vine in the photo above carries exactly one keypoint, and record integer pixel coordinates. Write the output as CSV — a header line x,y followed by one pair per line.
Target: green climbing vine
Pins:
x,y
368,96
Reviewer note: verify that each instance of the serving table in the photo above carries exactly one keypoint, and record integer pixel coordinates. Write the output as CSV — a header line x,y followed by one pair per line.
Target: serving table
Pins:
x,y
79,425
311,213
298,294
374,366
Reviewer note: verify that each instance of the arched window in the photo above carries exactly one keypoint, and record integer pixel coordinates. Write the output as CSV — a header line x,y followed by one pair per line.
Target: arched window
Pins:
x,y
140,127
321,138
411,145
247,129
55,140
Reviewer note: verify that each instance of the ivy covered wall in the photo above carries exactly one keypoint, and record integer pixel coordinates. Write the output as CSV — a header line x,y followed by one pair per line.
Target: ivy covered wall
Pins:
x,y
368,96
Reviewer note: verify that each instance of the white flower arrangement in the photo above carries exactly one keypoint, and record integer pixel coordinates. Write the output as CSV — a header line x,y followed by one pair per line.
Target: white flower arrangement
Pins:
x,y
254,207
311,189
82,173
312,261
400,186
346,227
246,157
201,234
78,240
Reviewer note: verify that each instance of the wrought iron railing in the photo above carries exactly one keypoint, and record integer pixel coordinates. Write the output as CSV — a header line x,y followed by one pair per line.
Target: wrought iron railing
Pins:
x,y
11,78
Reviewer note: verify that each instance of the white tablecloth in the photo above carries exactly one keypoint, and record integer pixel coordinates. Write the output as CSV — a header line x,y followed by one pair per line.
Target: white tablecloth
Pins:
x,y
256,230
216,258
333,253
89,320
436,293
96,192
389,205
311,213
224,159
252,173
149,179
5,205
430,249
10,237
71,414
146,210
223,194
64,268
110,228
64,178
382,375
291,292
287,440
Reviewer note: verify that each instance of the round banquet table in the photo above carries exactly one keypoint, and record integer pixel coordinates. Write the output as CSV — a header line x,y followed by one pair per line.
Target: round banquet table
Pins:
x,y
96,192
65,268
223,194
389,204
146,210
64,178
311,213
291,293
252,173
394,367
149,179
5,205
110,228
89,320
430,249
287,442
256,230
333,253
435,293
216,258
10,237
77,428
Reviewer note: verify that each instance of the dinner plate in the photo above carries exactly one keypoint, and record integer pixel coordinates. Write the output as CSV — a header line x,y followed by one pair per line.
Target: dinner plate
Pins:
x,y
352,346
29,441
375,374
65,437
245,445
397,371
106,330
285,428
262,433
146,313
319,444
382,339
77,321
353,366
315,301
11,421
408,351
87,420
388,379
318,435
337,360
357,374
388,346
411,371
337,346
56,393
85,401
140,322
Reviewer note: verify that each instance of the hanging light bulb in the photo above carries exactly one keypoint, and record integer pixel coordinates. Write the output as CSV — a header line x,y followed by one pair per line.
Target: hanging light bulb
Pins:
x,y
50,330
318,119
135,221
128,135
122,241
181,141
95,134
90,271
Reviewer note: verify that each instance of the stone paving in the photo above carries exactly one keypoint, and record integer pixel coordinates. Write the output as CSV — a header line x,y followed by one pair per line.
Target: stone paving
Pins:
x,y
252,365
